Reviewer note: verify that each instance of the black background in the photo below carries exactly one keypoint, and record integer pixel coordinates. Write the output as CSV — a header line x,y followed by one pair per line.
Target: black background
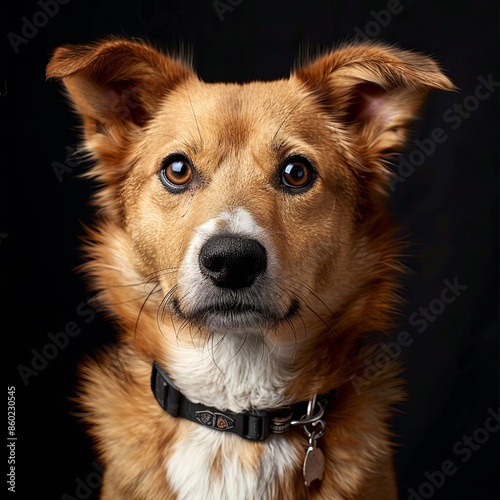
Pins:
x,y
448,205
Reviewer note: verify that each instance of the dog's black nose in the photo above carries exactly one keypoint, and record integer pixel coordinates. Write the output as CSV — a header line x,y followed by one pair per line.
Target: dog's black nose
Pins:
x,y
232,261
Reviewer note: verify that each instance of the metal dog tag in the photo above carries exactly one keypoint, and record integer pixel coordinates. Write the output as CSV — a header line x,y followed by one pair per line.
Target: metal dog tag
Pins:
x,y
314,463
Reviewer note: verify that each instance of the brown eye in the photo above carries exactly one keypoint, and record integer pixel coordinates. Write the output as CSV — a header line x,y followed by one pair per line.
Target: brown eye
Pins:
x,y
297,173
176,173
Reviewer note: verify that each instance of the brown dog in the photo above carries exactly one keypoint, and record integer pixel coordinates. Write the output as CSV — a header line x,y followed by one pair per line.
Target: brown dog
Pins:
x,y
244,249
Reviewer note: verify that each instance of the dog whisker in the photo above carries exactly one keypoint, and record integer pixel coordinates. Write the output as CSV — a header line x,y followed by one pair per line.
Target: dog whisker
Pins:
x,y
182,327
313,294
162,309
143,305
194,116
150,278
214,348
305,301
323,321
186,145
286,119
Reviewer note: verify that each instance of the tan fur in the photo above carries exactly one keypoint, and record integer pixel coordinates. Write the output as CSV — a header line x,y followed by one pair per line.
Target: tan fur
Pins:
x,y
338,254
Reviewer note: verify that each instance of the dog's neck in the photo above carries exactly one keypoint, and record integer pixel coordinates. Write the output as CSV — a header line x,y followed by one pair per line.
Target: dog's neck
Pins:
x,y
233,372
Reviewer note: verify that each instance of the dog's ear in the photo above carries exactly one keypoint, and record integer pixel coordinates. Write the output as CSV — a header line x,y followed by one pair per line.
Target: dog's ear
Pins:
x,y
115,85
375,90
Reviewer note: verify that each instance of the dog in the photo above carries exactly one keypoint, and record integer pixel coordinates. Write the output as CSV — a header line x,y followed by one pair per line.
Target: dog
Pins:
x,y
245,251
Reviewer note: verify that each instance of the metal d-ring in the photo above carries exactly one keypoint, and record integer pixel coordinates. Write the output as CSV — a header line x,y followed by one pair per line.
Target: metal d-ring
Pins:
x,y
312,419
315,434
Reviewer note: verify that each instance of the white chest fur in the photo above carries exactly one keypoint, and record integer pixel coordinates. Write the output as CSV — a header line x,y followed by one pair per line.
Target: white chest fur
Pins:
x,y
210,465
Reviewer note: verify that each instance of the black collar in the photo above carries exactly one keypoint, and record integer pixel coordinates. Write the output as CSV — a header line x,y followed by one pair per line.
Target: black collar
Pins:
x,y
255,425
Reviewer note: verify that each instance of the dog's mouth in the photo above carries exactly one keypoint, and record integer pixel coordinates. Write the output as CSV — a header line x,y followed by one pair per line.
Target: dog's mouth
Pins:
x,y
232,314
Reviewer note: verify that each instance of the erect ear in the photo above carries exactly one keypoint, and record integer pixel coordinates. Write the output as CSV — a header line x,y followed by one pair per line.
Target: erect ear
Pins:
x,y
115,85
375,90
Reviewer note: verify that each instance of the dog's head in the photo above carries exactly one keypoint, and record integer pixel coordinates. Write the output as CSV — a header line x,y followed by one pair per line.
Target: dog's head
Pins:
x,y
250,208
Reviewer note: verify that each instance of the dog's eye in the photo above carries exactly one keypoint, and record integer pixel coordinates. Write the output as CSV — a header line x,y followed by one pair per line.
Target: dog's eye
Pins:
x,y
176,172
297,173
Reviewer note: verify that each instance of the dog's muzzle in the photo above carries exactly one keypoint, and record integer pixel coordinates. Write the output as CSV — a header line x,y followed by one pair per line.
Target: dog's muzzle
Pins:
x,y
228,284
